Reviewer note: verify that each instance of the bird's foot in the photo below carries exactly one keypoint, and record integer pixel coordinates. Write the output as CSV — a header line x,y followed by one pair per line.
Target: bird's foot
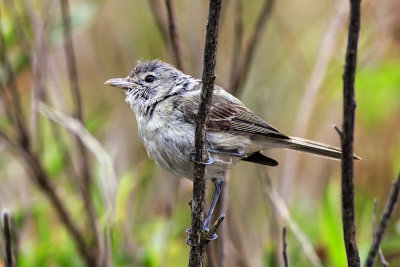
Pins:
x,y
193,159
207,234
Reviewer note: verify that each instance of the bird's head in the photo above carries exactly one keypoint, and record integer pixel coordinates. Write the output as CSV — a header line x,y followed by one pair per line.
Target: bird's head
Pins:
x,y
149,83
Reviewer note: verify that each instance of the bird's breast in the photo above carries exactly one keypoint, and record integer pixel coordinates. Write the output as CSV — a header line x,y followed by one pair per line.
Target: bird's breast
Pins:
x,y
168,140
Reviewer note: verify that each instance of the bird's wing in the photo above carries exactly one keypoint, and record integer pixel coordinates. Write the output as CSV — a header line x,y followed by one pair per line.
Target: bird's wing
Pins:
x,y
227,114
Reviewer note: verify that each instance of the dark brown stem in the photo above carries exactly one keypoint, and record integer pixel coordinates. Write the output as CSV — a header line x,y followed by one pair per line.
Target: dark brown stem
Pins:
x,y
255,38
384,222
7,231
196,256
284,251
382,257
347,136
174,35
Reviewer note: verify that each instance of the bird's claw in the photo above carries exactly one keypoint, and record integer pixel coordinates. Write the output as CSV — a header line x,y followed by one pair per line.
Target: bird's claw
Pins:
x,y
193,159
206,235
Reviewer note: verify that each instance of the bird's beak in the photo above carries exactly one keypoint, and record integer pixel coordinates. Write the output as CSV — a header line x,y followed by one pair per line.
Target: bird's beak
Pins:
x,y
122,83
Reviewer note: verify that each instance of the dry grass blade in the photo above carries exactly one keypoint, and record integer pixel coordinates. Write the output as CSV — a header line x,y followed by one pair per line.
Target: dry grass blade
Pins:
x,y
384,222
284,213
109,181
326,50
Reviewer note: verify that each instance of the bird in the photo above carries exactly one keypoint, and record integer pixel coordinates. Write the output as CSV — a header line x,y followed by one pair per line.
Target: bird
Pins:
x,y
165,102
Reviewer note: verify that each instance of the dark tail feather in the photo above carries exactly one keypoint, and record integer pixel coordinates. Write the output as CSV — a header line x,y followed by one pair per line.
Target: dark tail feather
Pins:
x,y
312,147
260,159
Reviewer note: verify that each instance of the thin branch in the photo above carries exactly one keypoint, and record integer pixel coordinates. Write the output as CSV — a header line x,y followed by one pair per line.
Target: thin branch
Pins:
x,y
244,67
347,138
284,250
7,231
84,166
174,35
384,222
196,256
381,256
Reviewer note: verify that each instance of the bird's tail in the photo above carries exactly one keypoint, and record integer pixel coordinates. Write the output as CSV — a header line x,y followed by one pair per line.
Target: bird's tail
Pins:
x,y
300,144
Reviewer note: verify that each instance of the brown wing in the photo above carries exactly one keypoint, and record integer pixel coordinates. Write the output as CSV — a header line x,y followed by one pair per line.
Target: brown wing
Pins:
x,y
227,114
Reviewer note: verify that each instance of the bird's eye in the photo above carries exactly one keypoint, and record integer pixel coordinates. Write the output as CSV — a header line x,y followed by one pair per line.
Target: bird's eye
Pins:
x,y
149,78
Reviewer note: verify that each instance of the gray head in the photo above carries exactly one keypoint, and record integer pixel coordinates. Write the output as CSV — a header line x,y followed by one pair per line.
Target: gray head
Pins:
x,y
149,83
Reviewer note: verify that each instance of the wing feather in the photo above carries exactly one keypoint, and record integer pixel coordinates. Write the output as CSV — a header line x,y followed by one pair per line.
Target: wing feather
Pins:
x,y
227,114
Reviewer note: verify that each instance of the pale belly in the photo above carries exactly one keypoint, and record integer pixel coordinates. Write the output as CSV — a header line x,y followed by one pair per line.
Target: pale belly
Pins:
x,y
170,144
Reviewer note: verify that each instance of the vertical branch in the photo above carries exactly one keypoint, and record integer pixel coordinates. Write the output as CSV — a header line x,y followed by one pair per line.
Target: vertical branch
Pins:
x,y
174,35
347,136
84,167
384,222
284,250
244,67
196,256
7,231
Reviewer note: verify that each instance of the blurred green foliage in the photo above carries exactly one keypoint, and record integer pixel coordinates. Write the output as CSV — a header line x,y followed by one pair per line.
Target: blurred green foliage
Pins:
x,y
378,93
151,211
